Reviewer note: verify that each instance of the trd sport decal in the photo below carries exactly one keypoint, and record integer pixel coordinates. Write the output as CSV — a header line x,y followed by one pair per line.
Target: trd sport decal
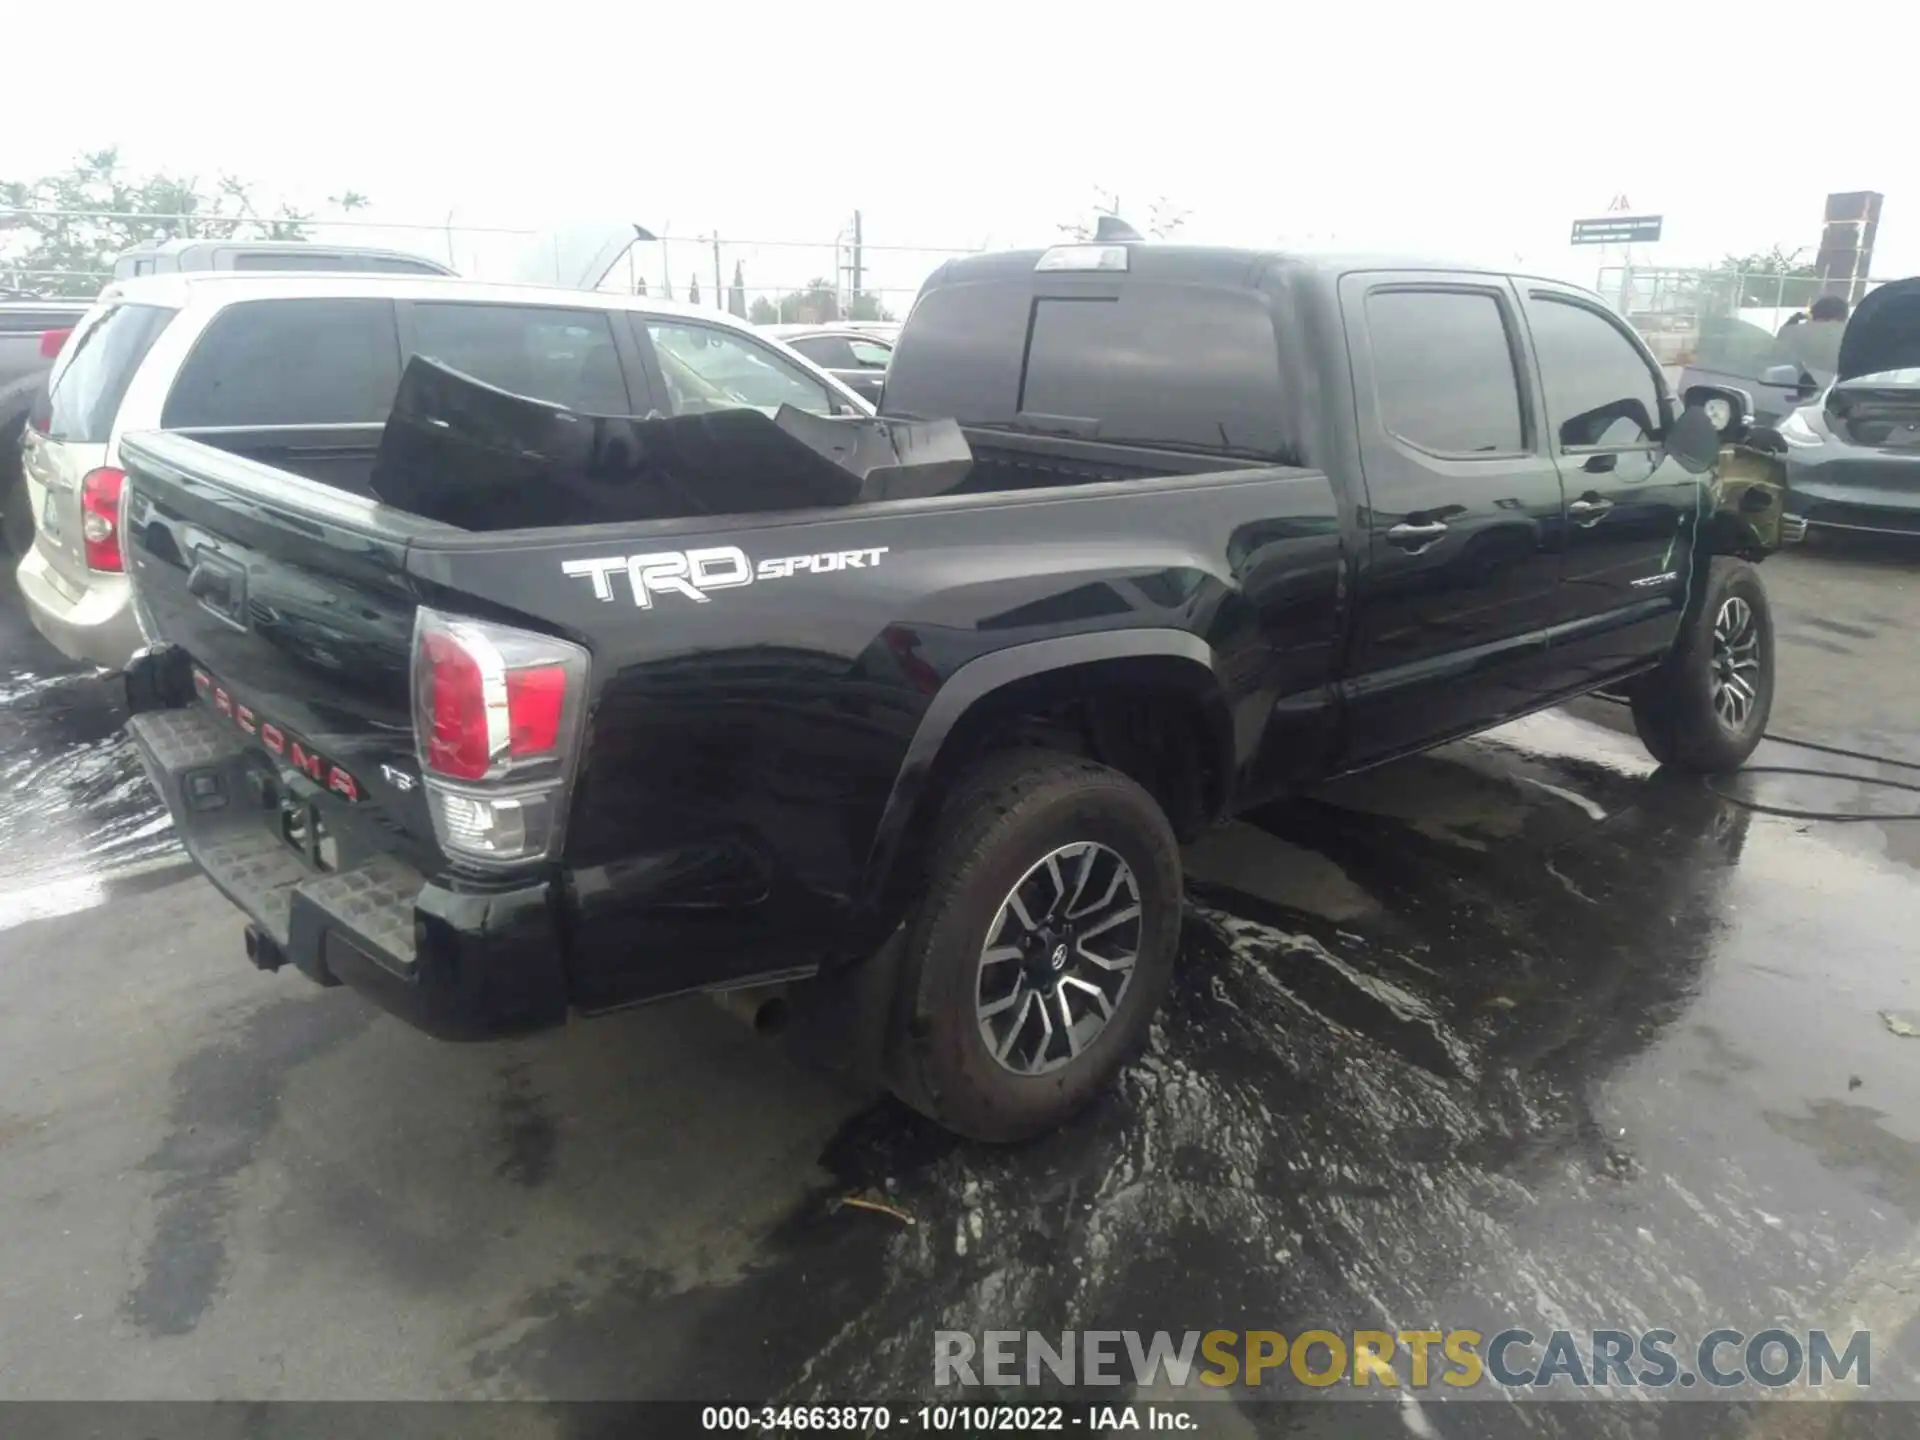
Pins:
x,y
692,573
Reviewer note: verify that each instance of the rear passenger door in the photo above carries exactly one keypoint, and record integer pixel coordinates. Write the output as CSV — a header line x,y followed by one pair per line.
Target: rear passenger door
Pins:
x,y
1461,512
576,358
1631,510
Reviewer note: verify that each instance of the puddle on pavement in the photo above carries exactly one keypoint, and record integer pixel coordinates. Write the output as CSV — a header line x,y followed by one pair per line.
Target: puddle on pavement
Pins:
x,y
1364,1086
79,809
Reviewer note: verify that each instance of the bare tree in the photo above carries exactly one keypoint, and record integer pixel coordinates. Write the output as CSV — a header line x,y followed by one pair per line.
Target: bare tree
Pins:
x,y
64,230
1164,218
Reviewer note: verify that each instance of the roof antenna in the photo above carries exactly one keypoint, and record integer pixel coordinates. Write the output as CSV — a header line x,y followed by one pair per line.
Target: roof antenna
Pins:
x,y
1112,228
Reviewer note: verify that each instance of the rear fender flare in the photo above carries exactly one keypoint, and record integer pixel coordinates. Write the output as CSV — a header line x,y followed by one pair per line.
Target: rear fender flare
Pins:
x,y
1177,658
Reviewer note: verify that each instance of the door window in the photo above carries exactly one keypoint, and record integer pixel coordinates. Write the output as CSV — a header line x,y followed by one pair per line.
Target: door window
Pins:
x,y
290,362
707,369
1600,390
1443,371
564,357
870,354
831,351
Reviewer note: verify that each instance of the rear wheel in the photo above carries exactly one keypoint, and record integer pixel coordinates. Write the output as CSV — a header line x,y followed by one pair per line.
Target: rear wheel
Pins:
x,y
1041,949
1706,707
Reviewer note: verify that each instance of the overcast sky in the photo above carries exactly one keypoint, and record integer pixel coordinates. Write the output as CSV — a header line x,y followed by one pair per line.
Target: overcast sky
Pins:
x,y
1475,131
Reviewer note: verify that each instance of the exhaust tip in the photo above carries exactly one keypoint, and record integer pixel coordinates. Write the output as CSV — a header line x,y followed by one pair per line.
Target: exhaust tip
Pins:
x,y
762,1008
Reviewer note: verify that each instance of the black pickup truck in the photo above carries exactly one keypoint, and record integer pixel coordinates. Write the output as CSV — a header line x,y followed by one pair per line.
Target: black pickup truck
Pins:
x,y
542,714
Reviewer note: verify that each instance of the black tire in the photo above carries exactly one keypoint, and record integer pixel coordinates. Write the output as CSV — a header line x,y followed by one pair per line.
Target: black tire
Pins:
x,y
1002,821
1674,707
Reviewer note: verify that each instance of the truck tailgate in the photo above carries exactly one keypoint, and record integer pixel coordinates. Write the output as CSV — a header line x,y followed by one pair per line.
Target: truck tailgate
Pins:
x,y
292,603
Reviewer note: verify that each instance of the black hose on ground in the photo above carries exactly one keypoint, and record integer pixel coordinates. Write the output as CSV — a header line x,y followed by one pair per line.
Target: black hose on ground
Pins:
x,y
1838,816
1842,817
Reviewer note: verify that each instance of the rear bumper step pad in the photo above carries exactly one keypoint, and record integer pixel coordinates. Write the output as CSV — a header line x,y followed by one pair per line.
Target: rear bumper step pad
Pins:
x,y
202,770
459,965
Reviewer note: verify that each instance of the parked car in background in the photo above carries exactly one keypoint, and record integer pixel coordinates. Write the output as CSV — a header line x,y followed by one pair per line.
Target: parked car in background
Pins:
x,y
1853,455
32,330
857,358
167,257
228,352
1776,376
578,716
887,330
31,334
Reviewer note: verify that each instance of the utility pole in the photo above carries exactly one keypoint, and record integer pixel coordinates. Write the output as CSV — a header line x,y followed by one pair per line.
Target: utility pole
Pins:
x,y
1620,205
856,254
719,289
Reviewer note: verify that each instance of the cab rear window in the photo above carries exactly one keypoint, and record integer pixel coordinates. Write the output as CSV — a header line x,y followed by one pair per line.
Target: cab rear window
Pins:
x,y
1192,367
1159,364
86,393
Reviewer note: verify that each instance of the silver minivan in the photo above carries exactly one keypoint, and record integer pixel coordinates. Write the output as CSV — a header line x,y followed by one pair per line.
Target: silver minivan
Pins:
x,y
71,577
224,355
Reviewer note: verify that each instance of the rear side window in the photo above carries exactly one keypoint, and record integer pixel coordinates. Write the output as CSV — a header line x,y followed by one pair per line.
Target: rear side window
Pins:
x,y
1443,371
1159,364
290,362
1599,388
86,394
565,357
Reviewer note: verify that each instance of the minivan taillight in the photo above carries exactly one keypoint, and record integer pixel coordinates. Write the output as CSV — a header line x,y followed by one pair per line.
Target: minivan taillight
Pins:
x,y
497,717
100,517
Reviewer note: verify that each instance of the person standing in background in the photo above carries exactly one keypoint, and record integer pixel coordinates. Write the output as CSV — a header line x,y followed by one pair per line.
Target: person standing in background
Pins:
x,y
1814,344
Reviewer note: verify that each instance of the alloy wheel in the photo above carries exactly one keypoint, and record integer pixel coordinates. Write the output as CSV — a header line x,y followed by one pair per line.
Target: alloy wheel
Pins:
x,y
1058,958
1736,664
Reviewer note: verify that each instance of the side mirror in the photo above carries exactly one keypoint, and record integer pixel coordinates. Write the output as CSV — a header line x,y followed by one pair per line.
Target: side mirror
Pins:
x,y
1714,415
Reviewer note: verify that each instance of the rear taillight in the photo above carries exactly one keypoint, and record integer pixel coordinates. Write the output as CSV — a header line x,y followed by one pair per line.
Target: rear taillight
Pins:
x,y
51,341
100,517
497,715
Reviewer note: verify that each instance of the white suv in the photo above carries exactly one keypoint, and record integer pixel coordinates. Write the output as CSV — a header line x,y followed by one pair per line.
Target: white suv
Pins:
x,y
322,354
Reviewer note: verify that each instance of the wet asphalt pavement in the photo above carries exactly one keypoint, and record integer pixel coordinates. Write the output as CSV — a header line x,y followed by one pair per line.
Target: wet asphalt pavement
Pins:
x,y
1519,1033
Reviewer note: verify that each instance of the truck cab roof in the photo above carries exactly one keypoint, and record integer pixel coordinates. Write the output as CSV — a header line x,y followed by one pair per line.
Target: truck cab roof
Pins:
x,y
1183,347
1192,264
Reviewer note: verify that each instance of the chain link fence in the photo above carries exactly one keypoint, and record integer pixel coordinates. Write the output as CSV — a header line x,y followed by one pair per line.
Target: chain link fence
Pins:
x,y
1674,309
845,277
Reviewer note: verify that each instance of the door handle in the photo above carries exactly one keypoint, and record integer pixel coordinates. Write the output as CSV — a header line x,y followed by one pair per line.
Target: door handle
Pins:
x,y
1415,538
1588,513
